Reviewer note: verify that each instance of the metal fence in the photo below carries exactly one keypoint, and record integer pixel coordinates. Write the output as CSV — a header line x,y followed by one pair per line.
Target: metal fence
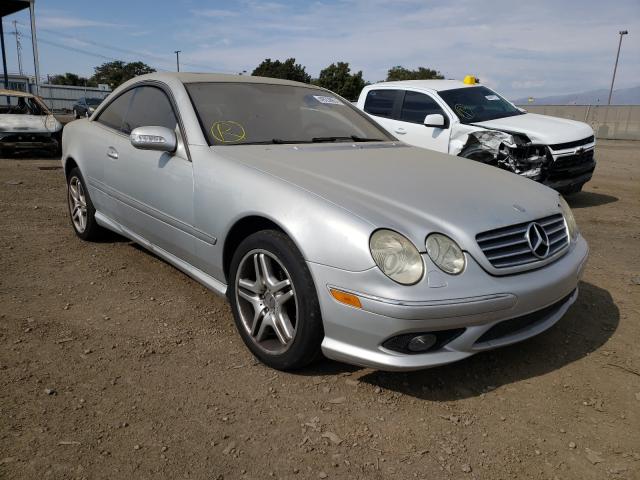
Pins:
x,y
60,98
616,122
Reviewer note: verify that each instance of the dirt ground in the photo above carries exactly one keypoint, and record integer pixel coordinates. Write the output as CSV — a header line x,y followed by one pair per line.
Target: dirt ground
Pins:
x,y
115,365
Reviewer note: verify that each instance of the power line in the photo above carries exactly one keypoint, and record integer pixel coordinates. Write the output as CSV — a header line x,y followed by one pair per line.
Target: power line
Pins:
x,y
134,53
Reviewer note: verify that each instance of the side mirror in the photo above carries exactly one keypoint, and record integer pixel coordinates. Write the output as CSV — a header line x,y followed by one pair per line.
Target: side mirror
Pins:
x,y
160,139
434,120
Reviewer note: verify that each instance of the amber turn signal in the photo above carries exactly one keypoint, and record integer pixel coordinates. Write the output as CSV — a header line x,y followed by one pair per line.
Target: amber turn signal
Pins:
x,y
346,298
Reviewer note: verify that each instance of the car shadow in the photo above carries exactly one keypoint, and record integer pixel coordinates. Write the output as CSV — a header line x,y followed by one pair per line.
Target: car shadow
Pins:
x,y
589,199
588,325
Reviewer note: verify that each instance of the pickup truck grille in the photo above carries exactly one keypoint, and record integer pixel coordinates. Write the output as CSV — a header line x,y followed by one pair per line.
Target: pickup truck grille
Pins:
x,y
577,143
508,246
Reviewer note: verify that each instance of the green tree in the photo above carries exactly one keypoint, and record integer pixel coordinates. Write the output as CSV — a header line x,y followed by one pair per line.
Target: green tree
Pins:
x,y
117,72
71,79
287,70
401,73
338,78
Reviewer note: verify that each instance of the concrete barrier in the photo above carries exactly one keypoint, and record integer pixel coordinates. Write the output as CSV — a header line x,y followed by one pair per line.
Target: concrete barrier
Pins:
x,y
616,122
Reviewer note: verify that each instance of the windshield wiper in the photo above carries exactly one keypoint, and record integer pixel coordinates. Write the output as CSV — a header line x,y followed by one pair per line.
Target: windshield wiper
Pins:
x,y
276,141
279,141
353,138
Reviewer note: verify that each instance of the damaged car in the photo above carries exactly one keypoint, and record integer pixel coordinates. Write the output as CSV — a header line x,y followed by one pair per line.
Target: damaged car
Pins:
x,y
472,121
26,124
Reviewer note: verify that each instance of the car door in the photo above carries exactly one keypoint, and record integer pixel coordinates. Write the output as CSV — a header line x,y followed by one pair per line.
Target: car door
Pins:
x,y
383,105
105,139
154,190
411,128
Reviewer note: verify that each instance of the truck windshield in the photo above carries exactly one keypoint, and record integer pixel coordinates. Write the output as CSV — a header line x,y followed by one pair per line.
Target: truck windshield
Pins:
x,y
257,113
478,104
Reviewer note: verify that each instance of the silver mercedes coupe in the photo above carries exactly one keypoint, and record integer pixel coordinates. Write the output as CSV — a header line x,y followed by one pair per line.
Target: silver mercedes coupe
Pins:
x,y
326,234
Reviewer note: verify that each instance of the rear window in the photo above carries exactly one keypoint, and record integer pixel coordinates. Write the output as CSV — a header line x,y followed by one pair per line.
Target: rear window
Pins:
x,y
381,102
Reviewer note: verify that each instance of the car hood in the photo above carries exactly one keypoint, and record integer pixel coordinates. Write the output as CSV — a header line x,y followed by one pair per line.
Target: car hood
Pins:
x,y
411,190
29,123
542,129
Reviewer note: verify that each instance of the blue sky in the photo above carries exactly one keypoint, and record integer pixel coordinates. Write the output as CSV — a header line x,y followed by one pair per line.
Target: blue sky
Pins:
x,y
522,49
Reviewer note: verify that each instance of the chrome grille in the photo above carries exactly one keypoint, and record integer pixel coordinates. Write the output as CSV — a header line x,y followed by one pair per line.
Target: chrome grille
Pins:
x,y
508,246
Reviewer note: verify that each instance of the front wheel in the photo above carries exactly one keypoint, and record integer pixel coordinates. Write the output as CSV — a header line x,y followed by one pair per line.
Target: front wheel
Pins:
x,y
274,301
81,208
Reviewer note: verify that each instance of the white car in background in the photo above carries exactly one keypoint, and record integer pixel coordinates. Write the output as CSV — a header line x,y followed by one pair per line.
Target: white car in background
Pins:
x,y
470,120
26,124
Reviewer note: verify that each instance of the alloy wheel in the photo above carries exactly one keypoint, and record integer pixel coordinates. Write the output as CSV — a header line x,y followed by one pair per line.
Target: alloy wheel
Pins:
x,y
267,302
77,204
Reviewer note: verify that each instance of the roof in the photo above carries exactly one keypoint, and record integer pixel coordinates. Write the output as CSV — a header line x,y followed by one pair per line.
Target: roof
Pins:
x,y
7,7
188,77
435,85
15,93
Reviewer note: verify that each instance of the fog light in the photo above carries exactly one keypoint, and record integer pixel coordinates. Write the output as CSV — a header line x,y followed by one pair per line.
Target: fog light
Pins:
x,y
422,343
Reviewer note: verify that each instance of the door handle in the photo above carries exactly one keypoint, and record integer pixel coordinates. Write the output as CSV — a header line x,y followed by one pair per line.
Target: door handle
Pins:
x,y
112,153
400,131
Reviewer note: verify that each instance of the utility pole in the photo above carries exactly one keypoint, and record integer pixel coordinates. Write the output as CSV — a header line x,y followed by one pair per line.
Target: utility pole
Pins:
x,y
177,52
18,45
622,33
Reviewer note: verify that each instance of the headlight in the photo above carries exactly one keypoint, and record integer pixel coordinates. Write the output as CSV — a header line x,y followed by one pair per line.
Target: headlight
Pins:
x,y
572,226
445,253
396,256
51,124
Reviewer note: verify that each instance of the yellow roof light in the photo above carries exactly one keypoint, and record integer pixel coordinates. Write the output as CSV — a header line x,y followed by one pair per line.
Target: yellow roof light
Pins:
x,y
470,80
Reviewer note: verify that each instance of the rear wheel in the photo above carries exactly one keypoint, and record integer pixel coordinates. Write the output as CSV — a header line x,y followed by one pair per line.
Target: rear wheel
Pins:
x,y
274,301
81,208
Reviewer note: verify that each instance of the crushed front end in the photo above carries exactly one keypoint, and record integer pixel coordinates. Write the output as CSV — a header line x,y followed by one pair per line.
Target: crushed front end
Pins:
x,y
565,167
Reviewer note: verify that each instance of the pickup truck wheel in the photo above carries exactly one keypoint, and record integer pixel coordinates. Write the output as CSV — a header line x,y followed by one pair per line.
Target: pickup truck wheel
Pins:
x,y
81,208
478,154
274,301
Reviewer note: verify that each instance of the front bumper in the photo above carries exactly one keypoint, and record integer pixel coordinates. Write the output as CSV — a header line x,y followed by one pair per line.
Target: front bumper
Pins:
x,y
569,171
473,301
29,141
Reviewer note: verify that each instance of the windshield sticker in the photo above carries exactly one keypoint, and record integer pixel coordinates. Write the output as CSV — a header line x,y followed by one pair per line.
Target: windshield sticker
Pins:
x,y
492,97
328,100
228,131
464,111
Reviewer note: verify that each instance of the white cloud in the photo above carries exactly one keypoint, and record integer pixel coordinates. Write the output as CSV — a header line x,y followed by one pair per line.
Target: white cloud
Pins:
x,y
64,22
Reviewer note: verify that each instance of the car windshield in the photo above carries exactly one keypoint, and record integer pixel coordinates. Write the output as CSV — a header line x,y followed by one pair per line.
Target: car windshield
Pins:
x,y
478,104
17,105
257,113
94,102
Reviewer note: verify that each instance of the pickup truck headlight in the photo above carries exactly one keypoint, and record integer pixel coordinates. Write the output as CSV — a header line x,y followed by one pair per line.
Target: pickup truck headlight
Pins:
x,y
396,256
445,253
572,226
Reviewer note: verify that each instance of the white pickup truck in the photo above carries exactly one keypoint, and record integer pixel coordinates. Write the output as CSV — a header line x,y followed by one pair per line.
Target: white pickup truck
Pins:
x,y
470,120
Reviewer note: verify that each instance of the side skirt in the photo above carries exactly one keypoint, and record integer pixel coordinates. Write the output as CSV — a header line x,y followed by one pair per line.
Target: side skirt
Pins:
x,y
197,274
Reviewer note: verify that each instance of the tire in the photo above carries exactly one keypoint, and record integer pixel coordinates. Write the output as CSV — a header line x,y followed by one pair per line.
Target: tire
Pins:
x,y
75,114
478,154
280,323
81,209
